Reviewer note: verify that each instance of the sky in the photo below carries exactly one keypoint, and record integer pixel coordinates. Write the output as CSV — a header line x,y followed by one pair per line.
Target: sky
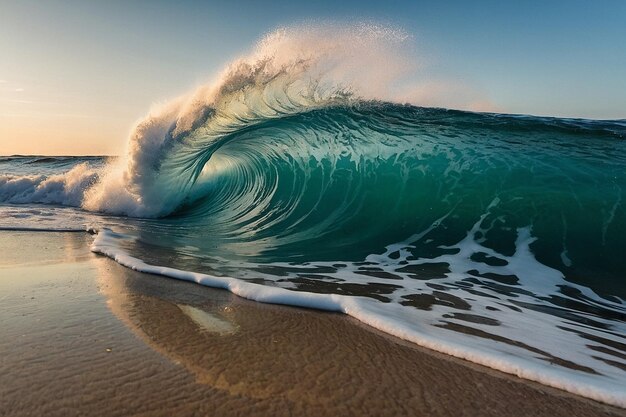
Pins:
x,y
75,76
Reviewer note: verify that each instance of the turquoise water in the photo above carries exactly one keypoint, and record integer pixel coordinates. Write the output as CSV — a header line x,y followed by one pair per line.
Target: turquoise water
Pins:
x,y
352,180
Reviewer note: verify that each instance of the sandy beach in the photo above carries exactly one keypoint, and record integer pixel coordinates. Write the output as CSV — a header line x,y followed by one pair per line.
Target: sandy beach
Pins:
x,y
82,335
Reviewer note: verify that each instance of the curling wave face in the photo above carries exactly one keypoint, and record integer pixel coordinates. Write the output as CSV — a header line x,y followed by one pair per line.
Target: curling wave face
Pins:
x,y
463,232
291,71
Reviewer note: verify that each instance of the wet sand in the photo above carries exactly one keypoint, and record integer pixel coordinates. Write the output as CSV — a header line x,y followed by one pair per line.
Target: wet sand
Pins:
x,y
81,335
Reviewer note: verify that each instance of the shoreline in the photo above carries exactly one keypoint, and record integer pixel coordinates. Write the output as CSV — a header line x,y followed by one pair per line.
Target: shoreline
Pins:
x,y
85,335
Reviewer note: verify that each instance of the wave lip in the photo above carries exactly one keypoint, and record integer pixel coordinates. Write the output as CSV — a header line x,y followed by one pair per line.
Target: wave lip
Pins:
x,y
290,71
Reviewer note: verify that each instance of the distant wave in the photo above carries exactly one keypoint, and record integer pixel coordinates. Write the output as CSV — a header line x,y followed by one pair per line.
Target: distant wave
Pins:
x,y
44,160
65,189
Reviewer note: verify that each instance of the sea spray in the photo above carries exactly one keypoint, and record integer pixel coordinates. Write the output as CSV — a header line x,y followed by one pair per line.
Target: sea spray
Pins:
x,y
290,71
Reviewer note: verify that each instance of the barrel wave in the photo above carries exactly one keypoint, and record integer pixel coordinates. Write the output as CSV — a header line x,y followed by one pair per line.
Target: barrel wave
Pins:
x,y
298,177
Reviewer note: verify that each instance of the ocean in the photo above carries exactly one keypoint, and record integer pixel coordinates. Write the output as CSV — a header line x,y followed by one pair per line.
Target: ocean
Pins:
x,y
495,238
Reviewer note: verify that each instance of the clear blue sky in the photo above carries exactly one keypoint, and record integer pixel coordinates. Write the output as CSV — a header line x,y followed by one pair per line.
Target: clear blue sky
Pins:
x,y
98,66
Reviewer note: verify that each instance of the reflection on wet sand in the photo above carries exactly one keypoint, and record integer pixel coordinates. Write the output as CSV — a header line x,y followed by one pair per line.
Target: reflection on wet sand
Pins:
x,y
22,248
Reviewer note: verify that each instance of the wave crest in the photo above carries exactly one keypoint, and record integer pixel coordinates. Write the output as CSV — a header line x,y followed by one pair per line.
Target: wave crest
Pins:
x,y
292,70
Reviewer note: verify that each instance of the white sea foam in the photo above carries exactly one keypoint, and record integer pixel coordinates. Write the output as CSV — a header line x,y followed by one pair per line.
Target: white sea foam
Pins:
x,y
420,326
66,189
